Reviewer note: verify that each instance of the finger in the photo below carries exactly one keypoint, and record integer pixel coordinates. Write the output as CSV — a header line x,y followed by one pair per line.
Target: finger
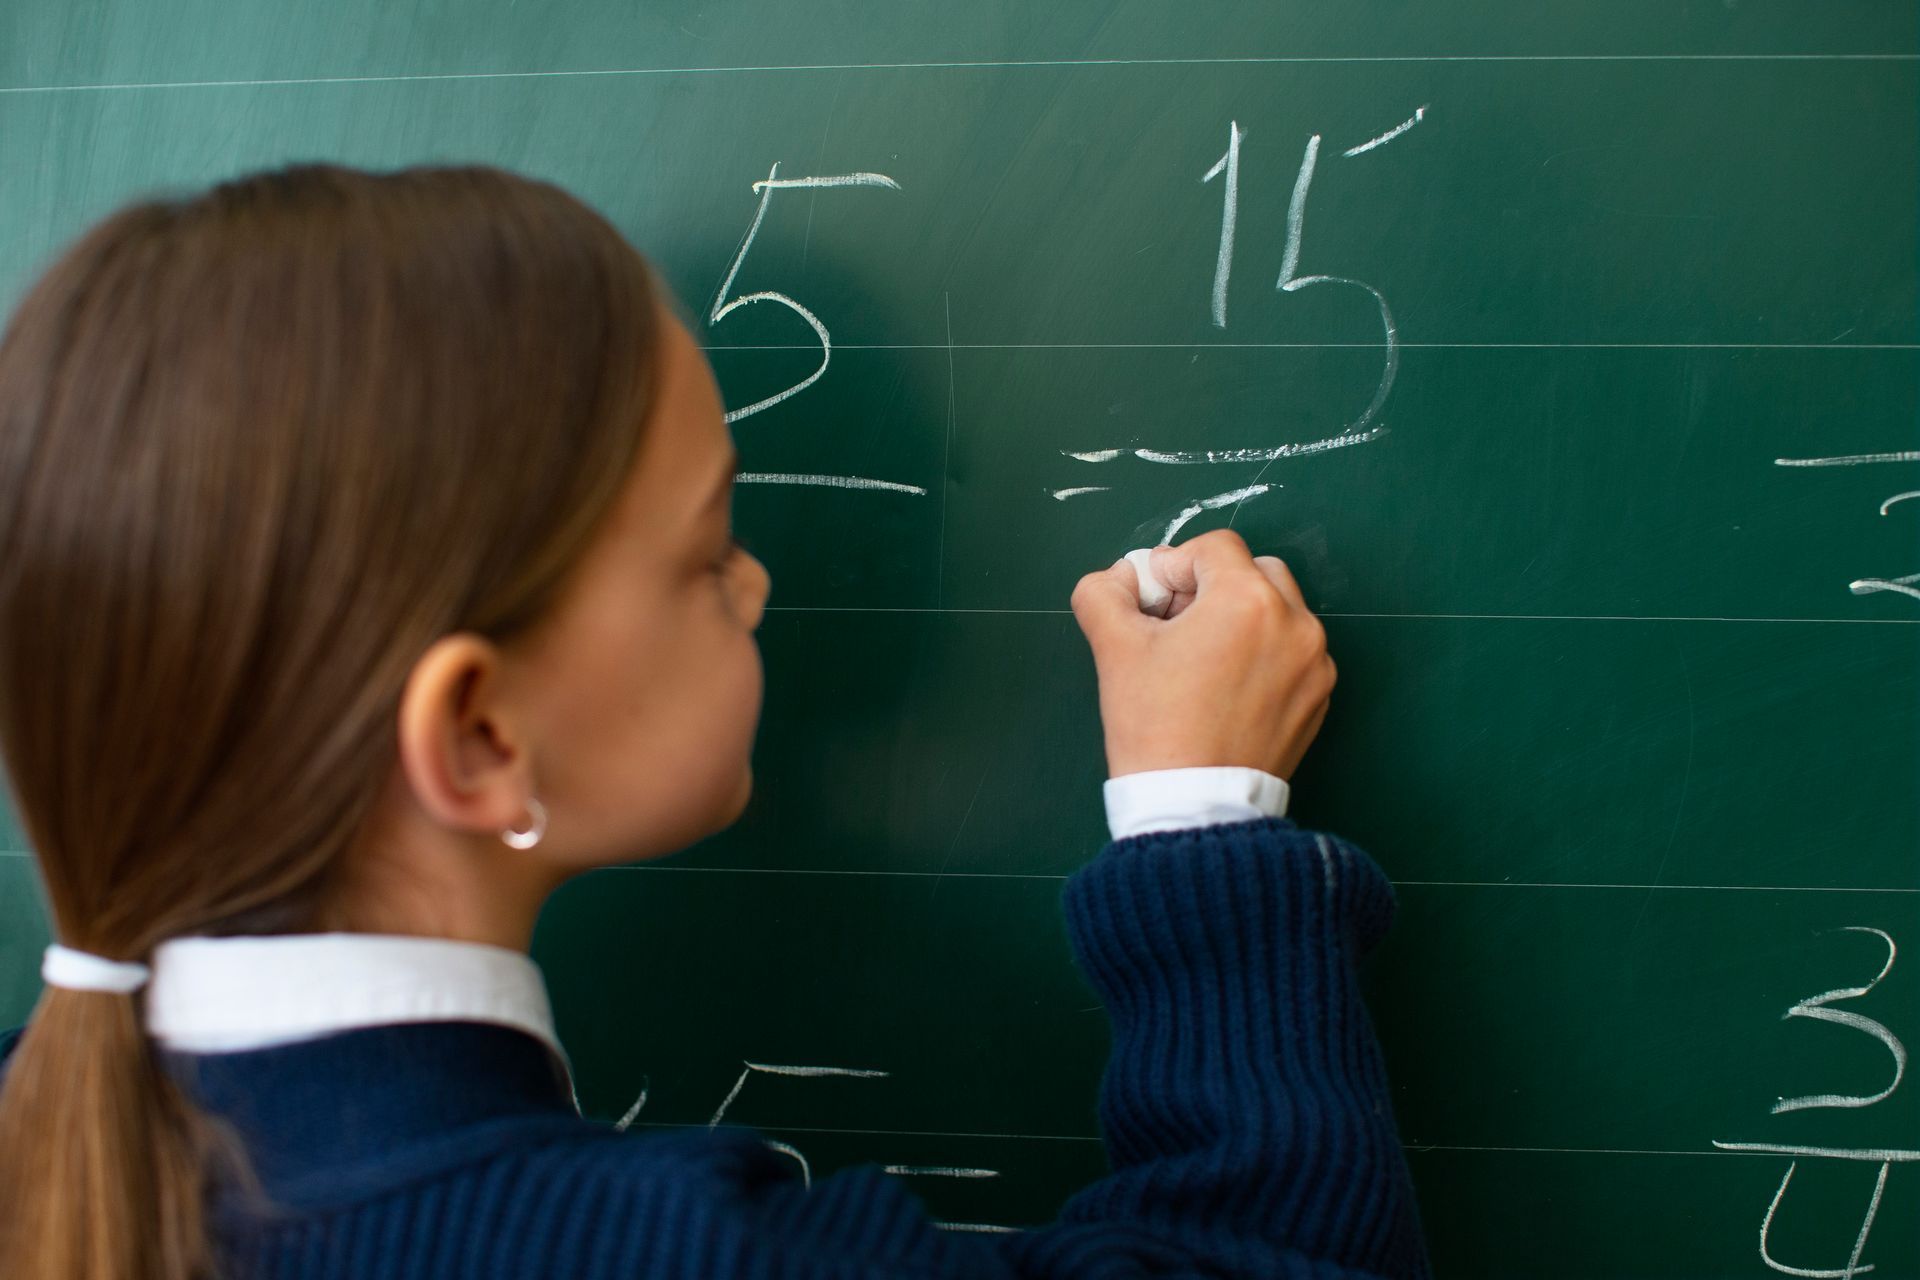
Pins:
x,y
1154,596
1178,602
1187,567
1280,576
1107,601
1180,593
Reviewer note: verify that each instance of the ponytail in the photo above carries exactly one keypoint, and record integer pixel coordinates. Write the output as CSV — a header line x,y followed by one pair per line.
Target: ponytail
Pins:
x,y
104,1157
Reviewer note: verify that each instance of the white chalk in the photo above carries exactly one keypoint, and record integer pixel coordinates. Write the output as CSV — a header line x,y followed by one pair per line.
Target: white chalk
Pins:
x,y
1154,595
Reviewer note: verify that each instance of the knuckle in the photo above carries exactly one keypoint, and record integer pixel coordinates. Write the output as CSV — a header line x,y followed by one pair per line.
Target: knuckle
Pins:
x,y
1321,681
1226,538
1246,606
1316,632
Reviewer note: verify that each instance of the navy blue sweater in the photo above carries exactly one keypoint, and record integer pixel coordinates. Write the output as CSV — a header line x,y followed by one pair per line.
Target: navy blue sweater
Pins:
x,y
1245,1109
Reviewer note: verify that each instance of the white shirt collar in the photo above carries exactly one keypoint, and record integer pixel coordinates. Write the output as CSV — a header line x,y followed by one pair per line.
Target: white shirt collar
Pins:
x,y
218,995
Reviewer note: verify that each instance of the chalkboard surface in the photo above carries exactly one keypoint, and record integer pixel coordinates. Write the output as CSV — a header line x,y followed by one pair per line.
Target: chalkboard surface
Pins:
x,y
1569,353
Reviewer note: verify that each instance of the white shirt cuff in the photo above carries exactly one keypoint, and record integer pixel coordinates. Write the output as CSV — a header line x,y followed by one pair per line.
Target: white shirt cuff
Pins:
x,y
1173,799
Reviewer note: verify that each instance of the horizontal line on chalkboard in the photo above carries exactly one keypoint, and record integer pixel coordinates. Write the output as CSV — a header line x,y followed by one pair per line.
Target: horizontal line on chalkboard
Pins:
x,y
1705,888
1417,1148
1441,617
832,871
1423,884
1040,63
891,1133
1315,346
1433,884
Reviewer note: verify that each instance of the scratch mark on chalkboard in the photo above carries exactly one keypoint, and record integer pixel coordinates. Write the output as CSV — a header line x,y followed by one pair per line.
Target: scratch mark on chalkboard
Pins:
x,y
1063,494
806,241
937,1171
1381,141
1850,460
1867,586
946,463
832,482
1898,497
958,832
1229,163
1217,501
1815,1007
1686,786
1853,1267
1574,151
1096,455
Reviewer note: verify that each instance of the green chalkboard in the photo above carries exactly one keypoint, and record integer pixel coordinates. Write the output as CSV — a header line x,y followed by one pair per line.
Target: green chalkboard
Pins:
x,y
1540,351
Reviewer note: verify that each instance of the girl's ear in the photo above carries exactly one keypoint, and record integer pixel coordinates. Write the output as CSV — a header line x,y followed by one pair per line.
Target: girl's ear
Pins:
x,y
457,749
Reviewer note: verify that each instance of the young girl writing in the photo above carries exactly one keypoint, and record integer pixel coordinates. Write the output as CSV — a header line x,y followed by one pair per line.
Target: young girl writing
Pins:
x,y
367,574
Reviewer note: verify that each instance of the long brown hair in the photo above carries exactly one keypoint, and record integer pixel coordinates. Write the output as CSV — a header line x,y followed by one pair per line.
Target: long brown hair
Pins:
x,y
260,446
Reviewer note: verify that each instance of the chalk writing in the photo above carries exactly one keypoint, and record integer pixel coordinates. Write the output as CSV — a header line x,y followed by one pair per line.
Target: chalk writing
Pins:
x,y
1817,1007
1361,429
1419,114
1820,1009
1229,163
749,1069
832,482
1871,586
1849,460
774,1069
1209,504
632,1113
1867,586
723,306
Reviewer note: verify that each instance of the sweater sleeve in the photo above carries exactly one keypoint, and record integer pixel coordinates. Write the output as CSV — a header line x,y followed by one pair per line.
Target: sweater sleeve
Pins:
x,y
1246,1112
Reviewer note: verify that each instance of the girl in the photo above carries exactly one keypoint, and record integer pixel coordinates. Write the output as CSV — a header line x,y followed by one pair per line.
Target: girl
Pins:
x,y
367,574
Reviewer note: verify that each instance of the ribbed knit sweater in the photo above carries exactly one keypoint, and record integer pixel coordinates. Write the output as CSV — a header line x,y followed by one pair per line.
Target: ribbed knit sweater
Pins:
x,y
1245,1112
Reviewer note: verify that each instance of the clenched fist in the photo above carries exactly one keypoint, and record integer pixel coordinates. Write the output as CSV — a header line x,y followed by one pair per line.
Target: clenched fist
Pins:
x,y
1237,673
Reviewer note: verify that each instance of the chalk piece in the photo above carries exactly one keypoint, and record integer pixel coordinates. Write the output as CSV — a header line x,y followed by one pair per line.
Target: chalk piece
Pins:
x,y
1154,596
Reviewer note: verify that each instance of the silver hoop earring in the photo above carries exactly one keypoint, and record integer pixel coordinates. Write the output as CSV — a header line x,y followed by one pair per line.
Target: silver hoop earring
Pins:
x,y
530,837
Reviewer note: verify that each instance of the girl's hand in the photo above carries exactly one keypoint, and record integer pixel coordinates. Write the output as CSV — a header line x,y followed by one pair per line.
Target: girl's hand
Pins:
x,y
1236,674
